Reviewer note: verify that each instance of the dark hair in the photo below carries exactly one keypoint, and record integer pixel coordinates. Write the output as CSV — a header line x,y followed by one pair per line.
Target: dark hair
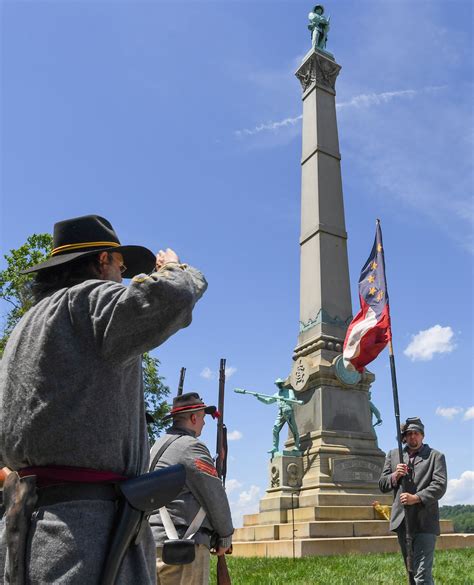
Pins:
x,y
50,280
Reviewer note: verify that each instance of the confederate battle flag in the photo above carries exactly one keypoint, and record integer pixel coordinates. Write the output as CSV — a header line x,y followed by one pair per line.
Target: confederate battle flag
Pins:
x,y
369,331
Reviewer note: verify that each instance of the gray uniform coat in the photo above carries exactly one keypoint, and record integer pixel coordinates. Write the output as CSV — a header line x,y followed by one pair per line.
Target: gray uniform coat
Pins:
x,y
71,393
202,488
428,480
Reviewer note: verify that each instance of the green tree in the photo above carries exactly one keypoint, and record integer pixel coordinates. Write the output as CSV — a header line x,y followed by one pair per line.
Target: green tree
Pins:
x,y
16,290
462,516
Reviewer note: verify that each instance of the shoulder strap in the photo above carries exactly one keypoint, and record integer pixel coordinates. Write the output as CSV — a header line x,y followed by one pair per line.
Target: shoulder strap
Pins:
x,y
170,529
158,450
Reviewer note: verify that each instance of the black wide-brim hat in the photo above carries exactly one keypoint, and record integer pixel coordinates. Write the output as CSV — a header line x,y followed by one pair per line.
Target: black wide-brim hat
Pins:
x,y
88,235
190,402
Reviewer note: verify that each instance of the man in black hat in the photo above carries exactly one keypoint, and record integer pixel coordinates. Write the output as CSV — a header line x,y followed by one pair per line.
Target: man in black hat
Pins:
x,y
202,510
72,414
426,481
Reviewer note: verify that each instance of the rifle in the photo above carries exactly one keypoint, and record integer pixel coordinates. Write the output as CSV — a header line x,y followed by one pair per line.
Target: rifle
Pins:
x,y
275,398
182,374
223,577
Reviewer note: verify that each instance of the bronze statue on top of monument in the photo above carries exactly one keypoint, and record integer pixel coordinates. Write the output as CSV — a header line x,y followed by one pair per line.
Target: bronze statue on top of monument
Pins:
x,y
319,27
285,398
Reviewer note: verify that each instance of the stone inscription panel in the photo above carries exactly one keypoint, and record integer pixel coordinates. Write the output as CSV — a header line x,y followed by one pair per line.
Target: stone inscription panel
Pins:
x,y
355,469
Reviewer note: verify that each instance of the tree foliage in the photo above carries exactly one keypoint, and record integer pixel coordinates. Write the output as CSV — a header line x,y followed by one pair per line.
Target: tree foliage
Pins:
x,y
15,288
16,291
155,393
462,516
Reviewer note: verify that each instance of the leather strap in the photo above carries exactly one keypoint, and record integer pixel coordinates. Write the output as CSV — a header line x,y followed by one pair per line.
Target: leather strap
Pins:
x,y
168,525
170,528
156,452
71,492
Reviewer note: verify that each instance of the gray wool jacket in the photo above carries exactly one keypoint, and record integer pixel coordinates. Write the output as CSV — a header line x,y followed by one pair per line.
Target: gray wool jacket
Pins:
x,y
428,480
71,394
202,488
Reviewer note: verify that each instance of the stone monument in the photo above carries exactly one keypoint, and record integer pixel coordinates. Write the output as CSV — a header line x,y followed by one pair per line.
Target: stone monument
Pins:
x,y
341,456
320,503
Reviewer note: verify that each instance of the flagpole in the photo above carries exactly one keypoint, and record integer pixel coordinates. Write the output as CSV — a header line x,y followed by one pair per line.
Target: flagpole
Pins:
x,y
396,405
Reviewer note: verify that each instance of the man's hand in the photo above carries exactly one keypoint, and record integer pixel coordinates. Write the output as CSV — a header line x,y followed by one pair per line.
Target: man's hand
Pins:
x,y
401,470
409,499
222,550
4,473
165,257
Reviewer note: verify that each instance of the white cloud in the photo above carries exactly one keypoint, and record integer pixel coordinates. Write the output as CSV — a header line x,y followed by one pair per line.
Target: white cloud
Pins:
x,y
249,497
450,412
460,491
231,485
469,414
229,371
207,373
246,503
234,435
425,344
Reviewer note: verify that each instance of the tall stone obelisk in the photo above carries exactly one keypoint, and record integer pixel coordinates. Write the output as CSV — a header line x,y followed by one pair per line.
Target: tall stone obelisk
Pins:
x,y
335,421
341,456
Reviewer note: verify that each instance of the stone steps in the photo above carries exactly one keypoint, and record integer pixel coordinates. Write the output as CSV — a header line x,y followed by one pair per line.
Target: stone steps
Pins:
x,y
284,502
339,546
311,513
333,513
322,529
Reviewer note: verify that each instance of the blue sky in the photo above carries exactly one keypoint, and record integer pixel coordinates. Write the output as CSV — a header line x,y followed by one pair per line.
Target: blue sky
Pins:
x,y
180,122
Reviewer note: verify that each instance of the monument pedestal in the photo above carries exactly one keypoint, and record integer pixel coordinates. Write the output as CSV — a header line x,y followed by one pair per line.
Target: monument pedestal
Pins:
x,y
335,425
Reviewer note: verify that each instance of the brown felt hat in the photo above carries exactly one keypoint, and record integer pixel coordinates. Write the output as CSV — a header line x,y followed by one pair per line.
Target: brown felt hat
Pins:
x,y
190,402
88,235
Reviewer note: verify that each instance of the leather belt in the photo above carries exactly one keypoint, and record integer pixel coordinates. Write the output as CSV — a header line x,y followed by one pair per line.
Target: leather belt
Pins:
x,y
69,492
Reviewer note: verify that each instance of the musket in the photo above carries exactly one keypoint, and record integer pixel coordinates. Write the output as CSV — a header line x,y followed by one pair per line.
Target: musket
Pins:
x,y
221,445
182,374
258,395
223,577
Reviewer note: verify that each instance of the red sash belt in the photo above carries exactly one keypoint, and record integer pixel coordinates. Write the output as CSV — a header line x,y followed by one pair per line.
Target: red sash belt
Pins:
x,y
57,474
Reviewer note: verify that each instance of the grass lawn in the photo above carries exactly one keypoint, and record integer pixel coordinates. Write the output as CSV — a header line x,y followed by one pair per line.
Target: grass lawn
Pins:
x,y
452,567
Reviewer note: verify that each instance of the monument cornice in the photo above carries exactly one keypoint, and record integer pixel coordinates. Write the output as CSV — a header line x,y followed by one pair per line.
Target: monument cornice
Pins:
x,y
319,70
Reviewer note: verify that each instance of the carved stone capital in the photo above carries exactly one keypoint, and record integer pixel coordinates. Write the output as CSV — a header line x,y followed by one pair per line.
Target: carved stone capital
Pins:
x,y
318,69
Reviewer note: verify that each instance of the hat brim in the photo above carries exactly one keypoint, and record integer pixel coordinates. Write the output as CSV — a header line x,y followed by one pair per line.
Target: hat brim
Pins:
x,y
207,409
413,428
137,259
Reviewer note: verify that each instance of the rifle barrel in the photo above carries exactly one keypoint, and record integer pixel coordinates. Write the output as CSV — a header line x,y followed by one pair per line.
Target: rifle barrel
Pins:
x,y
182,374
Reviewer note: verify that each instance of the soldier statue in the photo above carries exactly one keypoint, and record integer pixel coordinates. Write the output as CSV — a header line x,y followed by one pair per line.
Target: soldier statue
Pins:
x,y
319,27
285,398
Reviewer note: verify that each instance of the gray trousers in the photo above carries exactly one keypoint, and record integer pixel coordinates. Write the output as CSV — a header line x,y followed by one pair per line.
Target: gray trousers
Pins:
x,y
423,555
